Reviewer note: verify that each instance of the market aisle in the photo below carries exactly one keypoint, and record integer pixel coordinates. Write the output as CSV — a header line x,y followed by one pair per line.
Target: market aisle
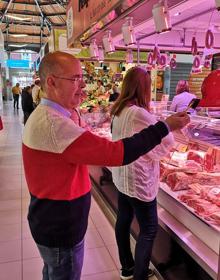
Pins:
x,y
19,258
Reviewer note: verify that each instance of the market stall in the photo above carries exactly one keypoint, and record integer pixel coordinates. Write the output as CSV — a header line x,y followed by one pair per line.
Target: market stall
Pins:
x,y
188,241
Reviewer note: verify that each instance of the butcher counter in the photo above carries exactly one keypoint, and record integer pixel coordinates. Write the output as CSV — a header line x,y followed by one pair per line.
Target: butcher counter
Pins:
x,y
188,240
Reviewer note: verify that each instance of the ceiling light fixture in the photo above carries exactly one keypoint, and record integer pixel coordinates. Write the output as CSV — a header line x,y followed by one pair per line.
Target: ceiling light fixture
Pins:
x,y
108,42
101,54
17,46
129,56
17,18
18,35
161,17
128,32
93,49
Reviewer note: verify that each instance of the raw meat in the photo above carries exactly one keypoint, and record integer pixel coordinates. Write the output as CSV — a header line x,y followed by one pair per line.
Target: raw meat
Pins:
x,y
211,193
196,156
178,181
181,181
192,166
209,162
200,205
207,178
214,217
166,169
187,196
196,188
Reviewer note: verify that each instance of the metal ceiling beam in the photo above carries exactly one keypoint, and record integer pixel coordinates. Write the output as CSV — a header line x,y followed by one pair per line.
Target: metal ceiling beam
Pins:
x,y
17,22
33,13
28,47
45,19
60,17
22,43
33,3
61,4
29,34
25,42
5,12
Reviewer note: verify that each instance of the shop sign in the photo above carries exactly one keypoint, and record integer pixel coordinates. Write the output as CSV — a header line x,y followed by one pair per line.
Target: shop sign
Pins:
x,y
197,66
18,63
82,14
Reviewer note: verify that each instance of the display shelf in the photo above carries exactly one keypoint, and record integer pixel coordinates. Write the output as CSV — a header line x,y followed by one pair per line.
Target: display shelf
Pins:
x,y
197,249
216,228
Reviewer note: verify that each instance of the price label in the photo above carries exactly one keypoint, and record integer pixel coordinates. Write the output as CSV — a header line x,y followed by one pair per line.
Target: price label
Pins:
x,y
182,148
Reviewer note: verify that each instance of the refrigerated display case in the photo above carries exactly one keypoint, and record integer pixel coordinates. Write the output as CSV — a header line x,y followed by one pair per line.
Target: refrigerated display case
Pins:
x,y
188,242
189,196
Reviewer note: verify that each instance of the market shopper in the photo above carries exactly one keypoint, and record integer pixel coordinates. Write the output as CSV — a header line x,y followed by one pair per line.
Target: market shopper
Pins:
x,y
137,182
16,91
27,102
55,154
37,93
75,112
100,90
183,97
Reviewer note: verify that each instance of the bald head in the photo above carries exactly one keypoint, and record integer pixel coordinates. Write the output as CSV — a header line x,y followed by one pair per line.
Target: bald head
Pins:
x,y
61,77
55,63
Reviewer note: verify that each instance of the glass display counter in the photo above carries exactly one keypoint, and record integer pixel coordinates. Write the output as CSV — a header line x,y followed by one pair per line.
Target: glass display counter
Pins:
x,y
188,242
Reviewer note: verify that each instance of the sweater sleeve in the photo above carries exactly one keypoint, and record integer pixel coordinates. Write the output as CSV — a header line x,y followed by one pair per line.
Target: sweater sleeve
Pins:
x,y
94,150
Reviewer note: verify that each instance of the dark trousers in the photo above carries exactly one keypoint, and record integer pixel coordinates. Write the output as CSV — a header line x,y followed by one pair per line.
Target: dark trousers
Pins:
x,y
26,116
16,100
146,214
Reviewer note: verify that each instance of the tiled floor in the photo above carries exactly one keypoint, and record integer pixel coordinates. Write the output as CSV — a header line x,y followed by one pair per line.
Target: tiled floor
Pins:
x,y
19,258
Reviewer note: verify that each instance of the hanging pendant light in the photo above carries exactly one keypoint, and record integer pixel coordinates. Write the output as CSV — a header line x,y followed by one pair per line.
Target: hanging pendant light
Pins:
x,y
108,42
161,17
128,32
93,49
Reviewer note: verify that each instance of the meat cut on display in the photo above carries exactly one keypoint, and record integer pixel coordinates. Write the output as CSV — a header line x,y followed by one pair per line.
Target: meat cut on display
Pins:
x,y
199,189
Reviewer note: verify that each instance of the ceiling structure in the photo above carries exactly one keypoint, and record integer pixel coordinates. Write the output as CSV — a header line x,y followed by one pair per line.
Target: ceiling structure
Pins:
x,y
189,18
27,24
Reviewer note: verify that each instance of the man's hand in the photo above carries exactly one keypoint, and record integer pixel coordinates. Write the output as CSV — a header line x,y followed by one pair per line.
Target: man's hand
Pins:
x,y
177,121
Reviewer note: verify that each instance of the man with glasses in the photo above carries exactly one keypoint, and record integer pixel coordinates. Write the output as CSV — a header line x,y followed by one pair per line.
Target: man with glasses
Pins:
x,y
59,150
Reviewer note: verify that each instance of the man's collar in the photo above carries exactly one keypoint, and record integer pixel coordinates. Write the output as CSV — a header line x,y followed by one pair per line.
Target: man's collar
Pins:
x,y
56,107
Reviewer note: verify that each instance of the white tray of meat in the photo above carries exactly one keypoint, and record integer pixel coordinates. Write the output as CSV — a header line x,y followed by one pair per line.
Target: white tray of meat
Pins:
x,y
196,203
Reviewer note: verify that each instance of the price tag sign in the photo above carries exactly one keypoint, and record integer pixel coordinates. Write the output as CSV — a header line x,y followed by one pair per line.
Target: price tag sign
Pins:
x,y
182,148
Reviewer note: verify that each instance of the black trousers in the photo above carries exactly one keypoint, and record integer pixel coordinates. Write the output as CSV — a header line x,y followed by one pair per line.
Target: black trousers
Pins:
x,y
16,100
146,214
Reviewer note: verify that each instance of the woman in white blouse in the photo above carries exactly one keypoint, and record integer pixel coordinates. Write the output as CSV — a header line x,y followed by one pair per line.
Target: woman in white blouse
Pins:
x,y
138,182
183,97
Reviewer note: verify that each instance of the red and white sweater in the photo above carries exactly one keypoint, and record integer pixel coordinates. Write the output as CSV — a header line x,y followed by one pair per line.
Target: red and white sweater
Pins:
x,y
55,155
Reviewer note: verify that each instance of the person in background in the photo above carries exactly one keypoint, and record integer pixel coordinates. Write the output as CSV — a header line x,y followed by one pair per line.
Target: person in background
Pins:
x,y
183,97
100,90
108,90
115,93
27,102
36,93
137,182
16,91
59,150
75,114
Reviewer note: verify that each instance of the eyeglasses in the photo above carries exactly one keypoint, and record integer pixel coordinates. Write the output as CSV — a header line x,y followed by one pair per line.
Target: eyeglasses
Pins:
x,y
75,78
